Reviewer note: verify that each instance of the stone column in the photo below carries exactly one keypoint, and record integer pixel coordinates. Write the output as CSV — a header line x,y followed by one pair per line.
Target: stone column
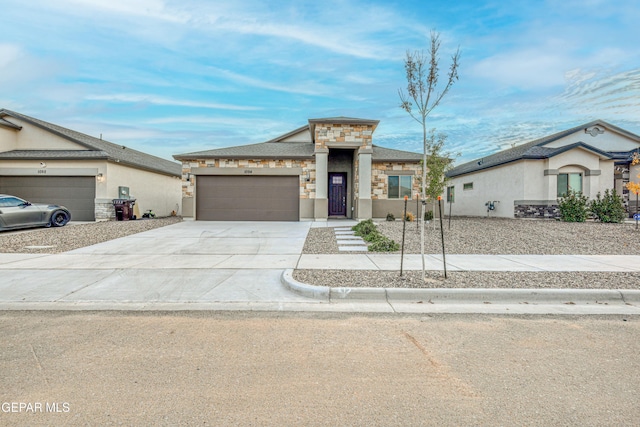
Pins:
x,y
364,183
321,206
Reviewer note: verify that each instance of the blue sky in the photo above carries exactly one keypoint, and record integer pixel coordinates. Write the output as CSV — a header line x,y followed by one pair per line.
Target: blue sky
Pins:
x,y
169,77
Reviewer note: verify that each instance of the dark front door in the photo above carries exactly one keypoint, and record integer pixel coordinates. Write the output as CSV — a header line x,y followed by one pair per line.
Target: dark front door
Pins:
x,y
337,194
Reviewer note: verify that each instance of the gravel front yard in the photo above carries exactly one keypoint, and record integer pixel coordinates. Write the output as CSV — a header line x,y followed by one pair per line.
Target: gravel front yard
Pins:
x,y
73,236
489,236
501,236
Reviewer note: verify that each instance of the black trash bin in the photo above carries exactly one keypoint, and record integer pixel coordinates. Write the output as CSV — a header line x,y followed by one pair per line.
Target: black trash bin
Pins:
x,y
124,209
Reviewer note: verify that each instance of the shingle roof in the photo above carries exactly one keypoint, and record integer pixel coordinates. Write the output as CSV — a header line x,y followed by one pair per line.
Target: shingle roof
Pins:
x,y
53,155
535,150
275,149
113,152
290,150
263,150
387,154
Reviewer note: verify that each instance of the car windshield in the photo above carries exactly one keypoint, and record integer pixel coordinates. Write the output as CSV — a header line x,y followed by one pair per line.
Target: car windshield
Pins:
x,y
7,202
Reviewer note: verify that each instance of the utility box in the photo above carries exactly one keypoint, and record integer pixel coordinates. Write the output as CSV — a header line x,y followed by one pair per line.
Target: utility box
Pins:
x,y
124,209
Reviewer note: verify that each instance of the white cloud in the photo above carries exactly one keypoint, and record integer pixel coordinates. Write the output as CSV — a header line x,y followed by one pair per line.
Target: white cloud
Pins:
x,y
155,9
159,100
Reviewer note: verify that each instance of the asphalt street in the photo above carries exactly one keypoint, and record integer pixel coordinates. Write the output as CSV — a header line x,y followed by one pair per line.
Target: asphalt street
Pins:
x,y
317,369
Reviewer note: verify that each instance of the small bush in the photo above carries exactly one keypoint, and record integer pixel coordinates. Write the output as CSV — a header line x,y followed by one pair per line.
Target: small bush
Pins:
x,y
371,237
573,207
383,244
410,217
428,215
390,217
369,233
364,227
608,208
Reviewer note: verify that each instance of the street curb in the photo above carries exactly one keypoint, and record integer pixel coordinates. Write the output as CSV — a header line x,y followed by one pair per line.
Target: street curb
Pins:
x,y
310,291
463,295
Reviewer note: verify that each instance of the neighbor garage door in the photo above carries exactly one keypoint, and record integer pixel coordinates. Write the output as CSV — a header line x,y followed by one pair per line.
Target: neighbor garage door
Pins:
x,y
76,193
247,198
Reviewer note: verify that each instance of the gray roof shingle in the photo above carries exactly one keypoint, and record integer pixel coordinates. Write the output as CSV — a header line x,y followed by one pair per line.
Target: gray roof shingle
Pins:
x,y
276,149
535,150
53,155
113,152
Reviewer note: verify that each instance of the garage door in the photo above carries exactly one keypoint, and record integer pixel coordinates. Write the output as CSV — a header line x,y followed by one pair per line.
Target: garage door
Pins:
x,y
76,193
247,198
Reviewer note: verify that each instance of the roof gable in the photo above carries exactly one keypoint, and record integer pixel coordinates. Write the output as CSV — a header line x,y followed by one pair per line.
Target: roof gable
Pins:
x,y
550,146
112,152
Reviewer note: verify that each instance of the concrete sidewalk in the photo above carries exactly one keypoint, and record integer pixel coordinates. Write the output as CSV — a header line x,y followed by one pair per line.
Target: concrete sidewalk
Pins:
x,y
241,266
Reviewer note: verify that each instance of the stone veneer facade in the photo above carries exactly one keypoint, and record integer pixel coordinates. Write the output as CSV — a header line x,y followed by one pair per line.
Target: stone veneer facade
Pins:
x,y
381,171
536,211
368,180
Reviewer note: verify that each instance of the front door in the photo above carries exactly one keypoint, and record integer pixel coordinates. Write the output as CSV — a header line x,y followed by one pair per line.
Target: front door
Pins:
x,y
337,194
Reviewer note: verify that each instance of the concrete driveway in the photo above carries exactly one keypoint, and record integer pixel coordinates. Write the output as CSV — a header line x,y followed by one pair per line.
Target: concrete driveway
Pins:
x,y
189,262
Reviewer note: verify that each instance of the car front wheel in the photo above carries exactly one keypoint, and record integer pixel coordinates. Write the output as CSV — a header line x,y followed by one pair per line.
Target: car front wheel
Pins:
x,y
59,218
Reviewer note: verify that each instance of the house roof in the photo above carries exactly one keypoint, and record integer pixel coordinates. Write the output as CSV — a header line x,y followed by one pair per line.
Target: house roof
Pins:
x,y
276,149
53,155
95,148
290,150
536,150
381,154
263,150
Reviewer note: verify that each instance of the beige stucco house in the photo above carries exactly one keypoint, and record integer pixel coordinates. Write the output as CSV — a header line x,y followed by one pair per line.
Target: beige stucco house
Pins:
x,y
527,180
328,168
43,162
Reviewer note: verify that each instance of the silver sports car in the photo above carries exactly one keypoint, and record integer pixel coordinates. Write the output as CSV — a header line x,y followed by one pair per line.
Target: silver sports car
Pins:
x,y
18,213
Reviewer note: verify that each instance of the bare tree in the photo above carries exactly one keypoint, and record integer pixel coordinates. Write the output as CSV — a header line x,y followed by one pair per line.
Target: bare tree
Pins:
x,y
422,96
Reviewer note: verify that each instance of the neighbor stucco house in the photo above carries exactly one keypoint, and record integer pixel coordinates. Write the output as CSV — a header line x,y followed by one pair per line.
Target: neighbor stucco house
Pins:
x,y
328,168
527,180
44,162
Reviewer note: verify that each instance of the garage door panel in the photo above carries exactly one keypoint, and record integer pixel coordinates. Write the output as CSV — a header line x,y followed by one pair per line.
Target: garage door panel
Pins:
x,y
75,193
247,198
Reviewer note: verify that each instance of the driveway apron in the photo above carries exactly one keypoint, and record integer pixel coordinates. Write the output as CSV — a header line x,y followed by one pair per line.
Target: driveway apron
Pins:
x,y
188,262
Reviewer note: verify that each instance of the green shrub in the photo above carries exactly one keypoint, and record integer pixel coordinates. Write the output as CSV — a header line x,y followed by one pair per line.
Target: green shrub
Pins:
x,y
390,217
383,244
369,233
373,236
364,227
608,208
573,207
428,215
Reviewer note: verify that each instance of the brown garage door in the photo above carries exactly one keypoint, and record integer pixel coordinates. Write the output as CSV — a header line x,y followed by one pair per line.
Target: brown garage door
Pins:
x,y
247,198
76,193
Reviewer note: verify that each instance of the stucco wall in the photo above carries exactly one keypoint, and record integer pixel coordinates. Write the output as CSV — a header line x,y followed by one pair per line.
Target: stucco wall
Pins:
x,y
161,193
31,137
607,141
504,184
8,139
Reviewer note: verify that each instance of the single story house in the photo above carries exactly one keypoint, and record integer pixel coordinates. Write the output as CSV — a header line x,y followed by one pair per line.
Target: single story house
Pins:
x,y
44,162
328,168
526,181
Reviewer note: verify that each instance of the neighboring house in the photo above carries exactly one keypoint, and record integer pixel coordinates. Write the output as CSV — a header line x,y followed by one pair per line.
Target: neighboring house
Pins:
x,y
43,162
326,169
527,180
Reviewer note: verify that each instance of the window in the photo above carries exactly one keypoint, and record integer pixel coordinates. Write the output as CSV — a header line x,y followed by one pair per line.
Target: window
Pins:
x,y
7,202
467,186
451,194
400,186
569,181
